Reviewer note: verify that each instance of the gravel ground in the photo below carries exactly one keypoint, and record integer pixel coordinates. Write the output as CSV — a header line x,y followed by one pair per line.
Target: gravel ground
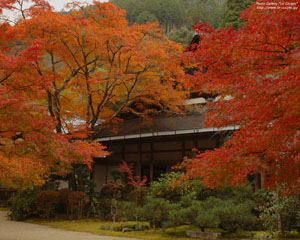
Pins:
x,y
11,230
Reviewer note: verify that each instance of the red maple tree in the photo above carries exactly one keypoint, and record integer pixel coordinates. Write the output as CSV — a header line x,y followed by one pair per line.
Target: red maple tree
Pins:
x,y
134,181
257,67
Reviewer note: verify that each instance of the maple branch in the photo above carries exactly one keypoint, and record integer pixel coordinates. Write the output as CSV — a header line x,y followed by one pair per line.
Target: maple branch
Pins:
x,y
71,52
109,88
6,77
261,50
128,61
288,41
50,106
275,44
112,59
107,48
21,8
73,74
127,102
53,67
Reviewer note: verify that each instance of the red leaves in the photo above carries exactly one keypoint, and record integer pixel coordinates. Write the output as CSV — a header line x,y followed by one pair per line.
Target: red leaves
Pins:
x,y
134,181
6,4
257,67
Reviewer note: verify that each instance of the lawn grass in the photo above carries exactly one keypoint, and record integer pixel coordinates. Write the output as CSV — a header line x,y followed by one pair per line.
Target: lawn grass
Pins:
x,y
93,226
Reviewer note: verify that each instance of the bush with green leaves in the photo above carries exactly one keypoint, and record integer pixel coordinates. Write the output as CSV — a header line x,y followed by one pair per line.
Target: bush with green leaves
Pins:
x,y
138,195
157,211
22,204
279,212
171,203
80,179
169,187
234,215
213,212
127,211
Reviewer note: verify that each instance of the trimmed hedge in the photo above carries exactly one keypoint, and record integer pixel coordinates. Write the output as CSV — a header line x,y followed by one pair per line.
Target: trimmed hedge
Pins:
x,y
46,203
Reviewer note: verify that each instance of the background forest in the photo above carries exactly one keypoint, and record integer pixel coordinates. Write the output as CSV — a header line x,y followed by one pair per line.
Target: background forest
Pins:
x,y
177,17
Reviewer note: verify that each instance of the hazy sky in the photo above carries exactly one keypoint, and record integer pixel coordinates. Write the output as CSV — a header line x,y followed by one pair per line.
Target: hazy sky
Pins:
x,y
57,4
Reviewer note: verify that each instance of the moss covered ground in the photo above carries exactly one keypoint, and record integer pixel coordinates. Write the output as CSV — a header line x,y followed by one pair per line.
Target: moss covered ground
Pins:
x,y
94,226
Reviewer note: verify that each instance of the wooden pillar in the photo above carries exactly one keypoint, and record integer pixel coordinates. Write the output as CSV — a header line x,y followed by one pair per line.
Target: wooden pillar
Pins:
x,y
262,180
151,161
123,151
195,147
139,162
106,172
257,181
183,148
218,142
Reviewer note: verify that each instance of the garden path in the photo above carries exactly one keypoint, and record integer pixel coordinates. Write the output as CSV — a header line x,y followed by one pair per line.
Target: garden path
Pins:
x,y
12,230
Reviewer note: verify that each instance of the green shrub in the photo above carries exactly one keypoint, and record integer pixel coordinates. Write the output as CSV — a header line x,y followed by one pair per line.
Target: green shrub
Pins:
x,y
22,204
93,208
104,208
46,203
138,196
80,179
76,204
118,226
171,203
127,211
234,215
157,211
280,213
166,188
212,212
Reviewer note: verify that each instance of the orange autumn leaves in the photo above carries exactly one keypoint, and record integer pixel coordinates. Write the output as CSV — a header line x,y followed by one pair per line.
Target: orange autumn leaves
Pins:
x,y
64,76
100,67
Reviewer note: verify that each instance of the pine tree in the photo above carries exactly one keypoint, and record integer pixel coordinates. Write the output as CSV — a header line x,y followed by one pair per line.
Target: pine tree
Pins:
x,y
232,11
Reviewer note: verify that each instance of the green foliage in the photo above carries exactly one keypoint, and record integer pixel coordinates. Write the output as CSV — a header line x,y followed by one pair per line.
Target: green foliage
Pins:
x,y
46,203
166,187
80,179
169,13
118,226
280,213
232,11
127,211
181,35
176,17
233,215
209,11
212,213
104,208
138,196
93,209
22,204
145,17
157,211
171,203
227,208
